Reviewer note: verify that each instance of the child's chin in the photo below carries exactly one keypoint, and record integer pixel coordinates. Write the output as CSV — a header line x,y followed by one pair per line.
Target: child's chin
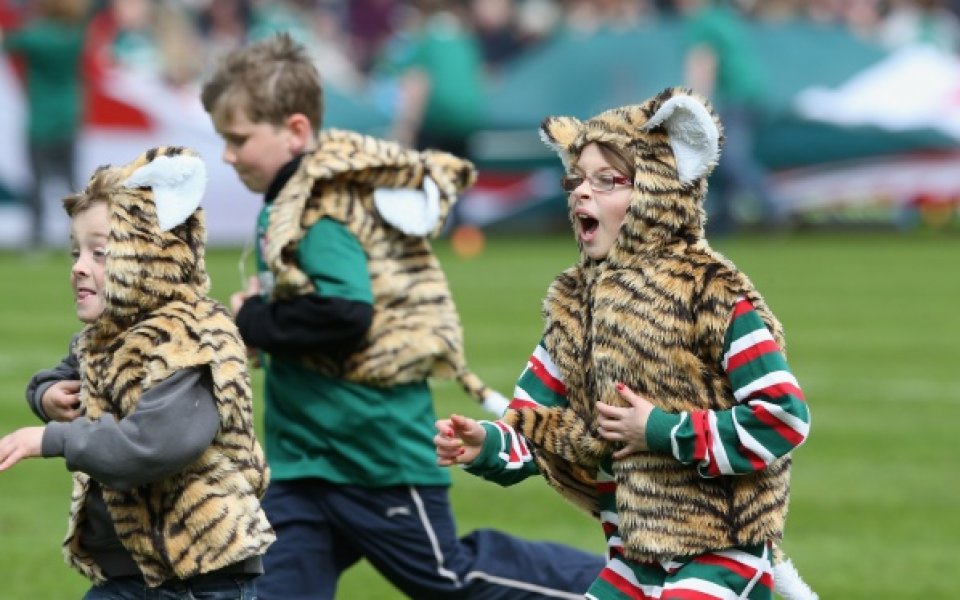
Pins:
x,y
87,316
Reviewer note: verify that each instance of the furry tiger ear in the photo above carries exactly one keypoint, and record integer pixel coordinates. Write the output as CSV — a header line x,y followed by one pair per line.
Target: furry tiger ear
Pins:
x,y
178,183
559,133
693,133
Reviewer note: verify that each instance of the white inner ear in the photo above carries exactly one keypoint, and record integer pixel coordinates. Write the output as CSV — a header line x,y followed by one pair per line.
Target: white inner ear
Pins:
x,y
414,212
177,182
693,135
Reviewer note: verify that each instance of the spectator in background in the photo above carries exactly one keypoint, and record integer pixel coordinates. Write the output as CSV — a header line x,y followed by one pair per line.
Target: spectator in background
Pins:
x,y
926,22
440,81
537,20
495,24
588,16
776,11
223,25
51,45
825,13
863,18
150,41
133,46
371,24
720,64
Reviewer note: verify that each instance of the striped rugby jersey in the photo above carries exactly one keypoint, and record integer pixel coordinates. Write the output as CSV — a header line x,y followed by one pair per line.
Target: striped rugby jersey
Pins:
x,y
770,419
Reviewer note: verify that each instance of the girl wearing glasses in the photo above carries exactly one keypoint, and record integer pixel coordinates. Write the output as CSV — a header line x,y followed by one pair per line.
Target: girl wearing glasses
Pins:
x,y
659,398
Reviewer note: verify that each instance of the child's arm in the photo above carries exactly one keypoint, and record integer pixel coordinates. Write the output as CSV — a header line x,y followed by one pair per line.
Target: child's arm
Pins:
x,y
769,420
502,453
493,451
54,394
334,318
540,414
172,425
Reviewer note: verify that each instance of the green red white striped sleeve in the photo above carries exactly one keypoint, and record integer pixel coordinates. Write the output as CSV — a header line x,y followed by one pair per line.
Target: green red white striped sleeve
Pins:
x,y
505,457
540,384
769,420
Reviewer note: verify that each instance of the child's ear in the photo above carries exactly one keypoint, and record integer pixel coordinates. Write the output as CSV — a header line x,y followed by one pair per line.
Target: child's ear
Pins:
x,y
300,131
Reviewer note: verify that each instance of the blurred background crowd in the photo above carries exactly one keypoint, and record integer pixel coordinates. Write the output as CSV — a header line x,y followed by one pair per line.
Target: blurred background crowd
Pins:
x,y
93,81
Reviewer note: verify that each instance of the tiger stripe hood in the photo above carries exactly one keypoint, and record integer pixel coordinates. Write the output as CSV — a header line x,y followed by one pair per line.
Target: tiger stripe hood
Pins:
x,y
652,315
155,252
674,139
360,182
158,321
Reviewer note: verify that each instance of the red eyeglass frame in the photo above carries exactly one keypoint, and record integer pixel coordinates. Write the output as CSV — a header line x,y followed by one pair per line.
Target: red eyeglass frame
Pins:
x,y
569,183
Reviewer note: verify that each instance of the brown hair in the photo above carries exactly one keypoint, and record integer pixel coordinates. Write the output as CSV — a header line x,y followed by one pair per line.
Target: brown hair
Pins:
x,y
269,81
98,190
618,159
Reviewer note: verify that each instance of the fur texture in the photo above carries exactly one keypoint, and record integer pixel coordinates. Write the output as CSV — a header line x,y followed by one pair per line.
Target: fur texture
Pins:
x,y
158,320
416,331
652,315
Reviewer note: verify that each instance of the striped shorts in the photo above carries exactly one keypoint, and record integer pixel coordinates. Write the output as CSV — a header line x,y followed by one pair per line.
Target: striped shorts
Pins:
x,y
744,572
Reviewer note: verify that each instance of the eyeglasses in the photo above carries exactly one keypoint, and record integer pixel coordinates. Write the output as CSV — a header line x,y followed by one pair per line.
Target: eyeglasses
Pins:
x,y
599,182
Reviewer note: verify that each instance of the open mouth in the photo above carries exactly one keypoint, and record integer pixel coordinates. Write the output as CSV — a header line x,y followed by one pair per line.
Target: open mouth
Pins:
x,y
588,225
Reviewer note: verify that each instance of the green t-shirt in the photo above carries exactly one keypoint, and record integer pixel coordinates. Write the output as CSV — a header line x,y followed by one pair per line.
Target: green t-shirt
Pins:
x,y
739,74
342,432
52,54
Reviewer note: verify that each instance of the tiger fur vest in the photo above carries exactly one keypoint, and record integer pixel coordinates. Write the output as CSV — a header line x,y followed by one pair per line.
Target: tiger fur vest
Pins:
x,y
158,320
653,315
416,332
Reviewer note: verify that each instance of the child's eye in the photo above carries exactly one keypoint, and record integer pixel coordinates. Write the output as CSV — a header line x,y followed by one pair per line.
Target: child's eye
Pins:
x,y
100,253
74,254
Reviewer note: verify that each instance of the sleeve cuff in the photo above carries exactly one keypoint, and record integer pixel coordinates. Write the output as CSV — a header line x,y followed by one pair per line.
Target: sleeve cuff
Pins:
x,y
54,439
660,424
489,458
36,402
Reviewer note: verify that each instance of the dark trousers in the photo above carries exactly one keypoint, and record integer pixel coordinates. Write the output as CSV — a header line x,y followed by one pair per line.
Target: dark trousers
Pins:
x,y
207,588
408,534
49,161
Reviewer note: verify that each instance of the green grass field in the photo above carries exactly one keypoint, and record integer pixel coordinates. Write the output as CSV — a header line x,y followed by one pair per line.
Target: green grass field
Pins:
x,y
872,325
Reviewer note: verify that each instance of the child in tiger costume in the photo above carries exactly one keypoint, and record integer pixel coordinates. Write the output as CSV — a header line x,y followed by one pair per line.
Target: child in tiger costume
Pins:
x,y
352,314
152,406
658,398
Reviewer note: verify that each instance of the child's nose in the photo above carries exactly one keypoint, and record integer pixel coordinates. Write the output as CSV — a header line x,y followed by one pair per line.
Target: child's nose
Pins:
x,y
79,267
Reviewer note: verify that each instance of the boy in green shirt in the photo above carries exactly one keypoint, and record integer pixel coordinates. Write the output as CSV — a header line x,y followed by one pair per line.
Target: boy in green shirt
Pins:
x,y
352,314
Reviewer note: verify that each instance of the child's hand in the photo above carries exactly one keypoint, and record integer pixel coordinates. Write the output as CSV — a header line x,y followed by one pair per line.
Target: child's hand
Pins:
x,y
238,298
22,443
61,401
628,425
458,440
